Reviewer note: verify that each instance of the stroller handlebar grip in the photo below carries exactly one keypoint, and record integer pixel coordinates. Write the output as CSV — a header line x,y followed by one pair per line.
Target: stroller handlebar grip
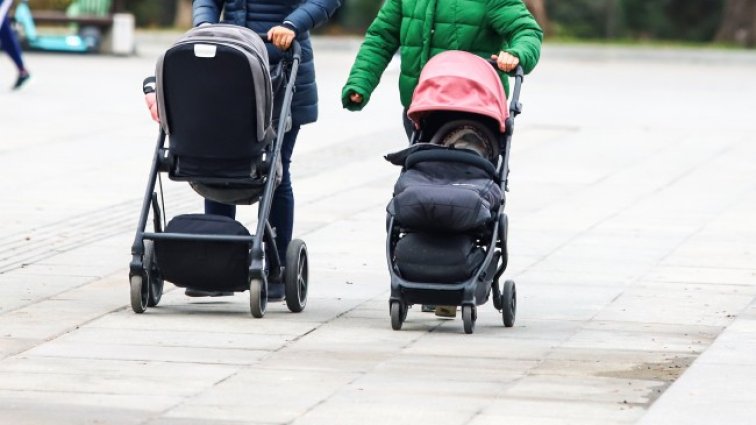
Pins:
x,y
515,107
295,49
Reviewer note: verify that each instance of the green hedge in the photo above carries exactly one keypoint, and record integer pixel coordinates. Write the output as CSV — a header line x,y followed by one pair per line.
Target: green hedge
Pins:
x,y
684,20
690,20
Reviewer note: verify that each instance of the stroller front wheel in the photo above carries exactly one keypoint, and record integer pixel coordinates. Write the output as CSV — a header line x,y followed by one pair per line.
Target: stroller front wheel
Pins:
x,y
398,314
139,294
469,316
258,298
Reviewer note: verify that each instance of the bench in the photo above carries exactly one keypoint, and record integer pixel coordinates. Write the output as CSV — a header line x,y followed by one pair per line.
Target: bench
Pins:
x,y
54,17
117,29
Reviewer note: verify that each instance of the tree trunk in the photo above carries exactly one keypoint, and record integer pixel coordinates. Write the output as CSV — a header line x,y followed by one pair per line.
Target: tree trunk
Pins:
x,y
538,9
738,23
183,14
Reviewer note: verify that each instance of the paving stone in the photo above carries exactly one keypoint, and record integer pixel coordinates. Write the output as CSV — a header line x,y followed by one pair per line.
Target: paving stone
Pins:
x,y
631,244
552,412
264,395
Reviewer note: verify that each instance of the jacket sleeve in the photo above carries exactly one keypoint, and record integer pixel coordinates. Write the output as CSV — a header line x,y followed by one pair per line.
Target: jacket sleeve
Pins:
x,y
522,34
381,42
311,14
206,11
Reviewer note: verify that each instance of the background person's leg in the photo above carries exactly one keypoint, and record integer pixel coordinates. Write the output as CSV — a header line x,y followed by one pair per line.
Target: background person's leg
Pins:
x,y
11,46
282,209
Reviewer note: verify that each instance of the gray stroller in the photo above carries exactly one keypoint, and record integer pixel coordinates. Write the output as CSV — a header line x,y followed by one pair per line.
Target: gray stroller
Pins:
x,y
232,158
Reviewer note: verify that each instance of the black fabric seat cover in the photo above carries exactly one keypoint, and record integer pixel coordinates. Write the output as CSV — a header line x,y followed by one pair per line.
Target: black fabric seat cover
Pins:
x,y
201,264
437,258
444,196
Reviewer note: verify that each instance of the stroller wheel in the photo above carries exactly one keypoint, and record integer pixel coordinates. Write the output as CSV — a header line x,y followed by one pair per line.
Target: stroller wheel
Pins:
x,y
496,295
509,303
296,275
139,294
469,316
154,282
398,314
258,298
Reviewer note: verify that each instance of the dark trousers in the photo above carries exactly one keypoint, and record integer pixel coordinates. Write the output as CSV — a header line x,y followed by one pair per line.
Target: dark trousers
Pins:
x,y
282,209
9,43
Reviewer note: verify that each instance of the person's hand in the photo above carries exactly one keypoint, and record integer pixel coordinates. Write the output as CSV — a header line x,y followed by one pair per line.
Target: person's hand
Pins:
x,y
355,98
281,37
505,61
151,100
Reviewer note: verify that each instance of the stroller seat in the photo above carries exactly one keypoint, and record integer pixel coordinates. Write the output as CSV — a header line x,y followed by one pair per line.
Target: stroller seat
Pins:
x,y
219,120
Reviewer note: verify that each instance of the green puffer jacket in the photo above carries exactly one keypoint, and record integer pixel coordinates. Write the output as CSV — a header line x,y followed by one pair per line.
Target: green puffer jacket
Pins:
x,y
424,28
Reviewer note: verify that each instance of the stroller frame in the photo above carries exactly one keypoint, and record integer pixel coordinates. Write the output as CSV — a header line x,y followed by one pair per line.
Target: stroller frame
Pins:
x,y
144,277
475,290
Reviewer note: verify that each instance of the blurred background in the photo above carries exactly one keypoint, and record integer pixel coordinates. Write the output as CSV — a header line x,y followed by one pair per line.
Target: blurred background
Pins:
x,y
726,22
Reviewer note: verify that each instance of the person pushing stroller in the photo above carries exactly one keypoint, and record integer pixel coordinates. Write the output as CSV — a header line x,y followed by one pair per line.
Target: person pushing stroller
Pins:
x,y
503,30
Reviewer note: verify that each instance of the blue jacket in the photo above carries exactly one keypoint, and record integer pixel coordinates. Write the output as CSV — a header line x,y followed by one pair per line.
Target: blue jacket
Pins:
x,y
260,16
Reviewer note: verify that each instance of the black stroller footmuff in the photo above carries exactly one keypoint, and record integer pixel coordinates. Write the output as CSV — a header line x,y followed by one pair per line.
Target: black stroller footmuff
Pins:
x,y
442,189
426,257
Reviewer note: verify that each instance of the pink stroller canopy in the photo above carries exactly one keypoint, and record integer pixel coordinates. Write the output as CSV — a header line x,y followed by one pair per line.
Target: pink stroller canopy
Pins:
x,y
462,82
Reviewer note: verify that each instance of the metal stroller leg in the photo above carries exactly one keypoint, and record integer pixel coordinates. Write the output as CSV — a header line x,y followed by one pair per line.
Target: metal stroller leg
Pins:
x,y
141,268
258,280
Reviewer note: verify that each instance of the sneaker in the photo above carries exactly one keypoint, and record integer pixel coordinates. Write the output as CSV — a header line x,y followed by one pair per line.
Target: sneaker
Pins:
x,y
22,78
276,291
195,293
449,311
427,308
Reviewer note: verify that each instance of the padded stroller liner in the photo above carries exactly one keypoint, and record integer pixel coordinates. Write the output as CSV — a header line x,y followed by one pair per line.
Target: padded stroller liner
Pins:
x,y
437,258
445,191
202,264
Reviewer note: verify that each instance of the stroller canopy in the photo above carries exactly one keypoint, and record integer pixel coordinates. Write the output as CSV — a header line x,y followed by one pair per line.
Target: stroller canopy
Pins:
x,y
462,82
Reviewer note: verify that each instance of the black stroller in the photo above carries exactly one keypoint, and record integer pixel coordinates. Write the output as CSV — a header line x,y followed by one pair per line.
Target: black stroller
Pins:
x,y
446,227
217,100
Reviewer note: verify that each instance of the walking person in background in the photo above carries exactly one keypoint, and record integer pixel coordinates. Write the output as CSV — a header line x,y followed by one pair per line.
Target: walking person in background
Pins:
x,y
502,30
9,43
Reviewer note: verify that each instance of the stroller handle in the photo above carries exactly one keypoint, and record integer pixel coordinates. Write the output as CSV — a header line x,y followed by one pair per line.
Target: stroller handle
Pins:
x,y
295,49
515,107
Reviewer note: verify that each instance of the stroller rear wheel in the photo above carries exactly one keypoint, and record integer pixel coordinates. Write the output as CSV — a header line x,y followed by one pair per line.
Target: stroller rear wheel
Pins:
x,y
469,316
146,287
509,303
296,275
258,298
154,281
